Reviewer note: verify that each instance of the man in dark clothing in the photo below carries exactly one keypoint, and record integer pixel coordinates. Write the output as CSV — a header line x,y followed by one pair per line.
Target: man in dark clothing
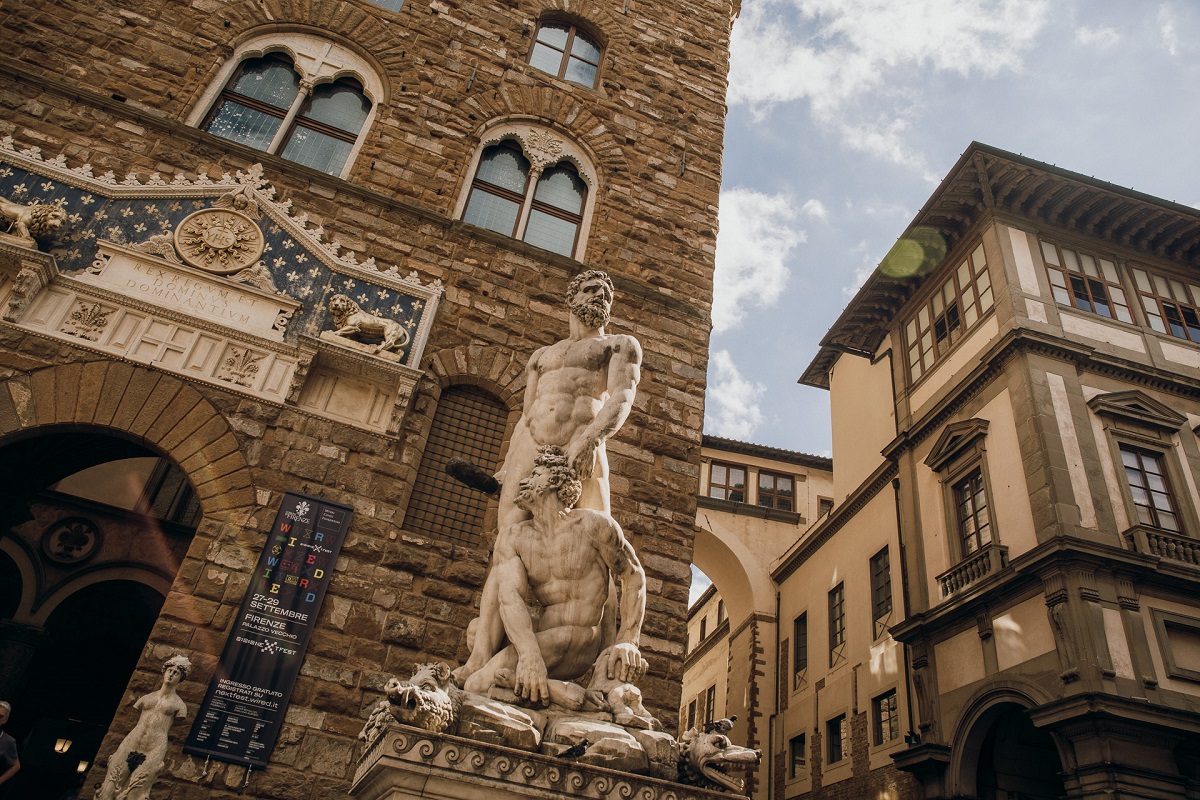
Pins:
x,y
9,763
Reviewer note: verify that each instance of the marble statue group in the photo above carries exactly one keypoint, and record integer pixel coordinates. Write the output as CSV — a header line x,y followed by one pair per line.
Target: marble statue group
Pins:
x,y
556,645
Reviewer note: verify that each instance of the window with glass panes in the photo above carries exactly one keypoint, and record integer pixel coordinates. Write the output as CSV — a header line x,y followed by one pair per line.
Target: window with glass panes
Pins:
x,y
1084,281
546,214
881,584
971,512
566,52
797,757
1150,489
691,715
727,482
710,703
775,491
837,620
800,643
266,92
1170,304
836,733
957,305
886,718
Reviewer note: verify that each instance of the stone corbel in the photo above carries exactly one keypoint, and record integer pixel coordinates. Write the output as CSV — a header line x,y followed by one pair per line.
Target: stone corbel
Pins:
x,y
24,272
308,352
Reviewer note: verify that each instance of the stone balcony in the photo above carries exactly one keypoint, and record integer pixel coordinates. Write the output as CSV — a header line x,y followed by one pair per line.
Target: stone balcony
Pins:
x,y
1154,542
979,564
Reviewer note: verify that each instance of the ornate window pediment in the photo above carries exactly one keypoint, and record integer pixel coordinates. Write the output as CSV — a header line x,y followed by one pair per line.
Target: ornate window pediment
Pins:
x,y
955,439
1139,408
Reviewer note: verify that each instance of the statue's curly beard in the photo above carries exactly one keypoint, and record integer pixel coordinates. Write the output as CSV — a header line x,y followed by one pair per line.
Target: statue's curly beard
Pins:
x,y
594,314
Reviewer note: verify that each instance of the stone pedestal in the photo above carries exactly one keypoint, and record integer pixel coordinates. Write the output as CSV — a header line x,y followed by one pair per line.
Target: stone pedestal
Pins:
x,y
407,763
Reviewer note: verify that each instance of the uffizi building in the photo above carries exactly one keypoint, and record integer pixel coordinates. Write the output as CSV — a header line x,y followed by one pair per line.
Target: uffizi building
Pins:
x,y
998,597
271,266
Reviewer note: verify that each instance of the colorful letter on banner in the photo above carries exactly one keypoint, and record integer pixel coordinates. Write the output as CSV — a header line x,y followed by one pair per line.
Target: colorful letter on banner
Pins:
x,y
247,698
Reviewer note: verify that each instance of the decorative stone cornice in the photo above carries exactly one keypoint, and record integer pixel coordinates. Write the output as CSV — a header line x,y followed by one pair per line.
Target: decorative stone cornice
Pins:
x,y
401,755
835,521
1139,408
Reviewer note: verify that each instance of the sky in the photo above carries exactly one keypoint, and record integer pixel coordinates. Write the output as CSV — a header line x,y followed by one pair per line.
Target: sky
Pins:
x,y
844,115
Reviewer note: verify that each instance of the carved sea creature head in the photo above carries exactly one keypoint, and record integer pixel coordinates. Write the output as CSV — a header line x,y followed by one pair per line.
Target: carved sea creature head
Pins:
x,y
705,758
427,700
593,311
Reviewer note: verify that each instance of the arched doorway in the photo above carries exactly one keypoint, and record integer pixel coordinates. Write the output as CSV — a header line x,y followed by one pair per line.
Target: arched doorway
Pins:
x,y
95,527
1006,757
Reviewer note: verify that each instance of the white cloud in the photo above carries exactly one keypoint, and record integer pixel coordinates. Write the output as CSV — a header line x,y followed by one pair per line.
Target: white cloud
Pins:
x,y
1167,30
732,402
1102,38
757,234
815,209
852,60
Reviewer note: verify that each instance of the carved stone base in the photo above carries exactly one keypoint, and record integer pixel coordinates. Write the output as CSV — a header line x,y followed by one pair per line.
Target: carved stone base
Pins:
x,y
407,763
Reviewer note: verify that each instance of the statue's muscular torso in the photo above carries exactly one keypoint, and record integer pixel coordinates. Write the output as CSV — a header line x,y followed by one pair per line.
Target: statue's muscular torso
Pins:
x,y
567,573
571,383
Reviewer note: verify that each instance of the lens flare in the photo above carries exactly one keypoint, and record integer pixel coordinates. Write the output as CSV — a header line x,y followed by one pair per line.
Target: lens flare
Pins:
x,y
916,253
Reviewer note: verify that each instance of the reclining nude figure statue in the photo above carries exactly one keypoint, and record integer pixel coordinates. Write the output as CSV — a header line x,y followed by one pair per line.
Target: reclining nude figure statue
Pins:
x,y
578,393
563,559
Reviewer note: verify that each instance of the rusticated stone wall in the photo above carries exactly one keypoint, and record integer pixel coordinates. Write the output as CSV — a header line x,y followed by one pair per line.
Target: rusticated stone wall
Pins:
x,y
112,85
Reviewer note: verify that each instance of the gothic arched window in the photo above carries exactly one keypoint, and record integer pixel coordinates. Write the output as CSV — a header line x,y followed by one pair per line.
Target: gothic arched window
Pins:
x,y
533,185
294,95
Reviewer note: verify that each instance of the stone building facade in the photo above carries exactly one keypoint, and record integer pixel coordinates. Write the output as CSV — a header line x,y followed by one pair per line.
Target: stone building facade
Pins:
x,y
997,595
226,169
1014,416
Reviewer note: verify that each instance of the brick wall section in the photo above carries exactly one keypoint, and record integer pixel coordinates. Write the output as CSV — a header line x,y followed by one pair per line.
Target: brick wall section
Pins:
x,y
885,783
397,599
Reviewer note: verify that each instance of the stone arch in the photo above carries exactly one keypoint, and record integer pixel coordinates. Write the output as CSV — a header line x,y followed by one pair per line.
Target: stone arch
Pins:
x,y
735,570
347,23
156,410
551,108
986,705
595,18
135,573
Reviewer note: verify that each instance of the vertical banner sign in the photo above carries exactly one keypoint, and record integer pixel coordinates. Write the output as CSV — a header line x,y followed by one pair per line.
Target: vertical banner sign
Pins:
x,y
247,697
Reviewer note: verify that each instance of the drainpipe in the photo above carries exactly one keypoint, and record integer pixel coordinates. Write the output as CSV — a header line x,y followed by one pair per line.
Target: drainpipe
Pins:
x,y
771,777
904,598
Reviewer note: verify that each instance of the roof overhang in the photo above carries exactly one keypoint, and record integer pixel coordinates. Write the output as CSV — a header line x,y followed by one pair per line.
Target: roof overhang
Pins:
x,y
987,181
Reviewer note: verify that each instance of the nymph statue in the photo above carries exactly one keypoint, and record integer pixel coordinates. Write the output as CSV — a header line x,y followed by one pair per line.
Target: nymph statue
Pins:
x,y
135,765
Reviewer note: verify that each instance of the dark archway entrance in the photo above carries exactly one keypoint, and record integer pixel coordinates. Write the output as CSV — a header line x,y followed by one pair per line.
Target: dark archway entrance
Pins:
x,y
93,528
1017,760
